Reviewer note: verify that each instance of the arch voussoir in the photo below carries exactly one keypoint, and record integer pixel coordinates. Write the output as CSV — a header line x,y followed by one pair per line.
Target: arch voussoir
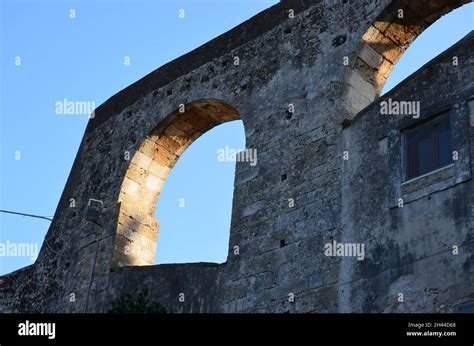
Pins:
x,y
383,44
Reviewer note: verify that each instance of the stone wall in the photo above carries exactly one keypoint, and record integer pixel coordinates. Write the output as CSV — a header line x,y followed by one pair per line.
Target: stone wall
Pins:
x,y
410,248
299,196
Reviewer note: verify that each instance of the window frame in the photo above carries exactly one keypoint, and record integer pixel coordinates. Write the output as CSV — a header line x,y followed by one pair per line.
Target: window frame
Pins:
x,y
431,121
444,178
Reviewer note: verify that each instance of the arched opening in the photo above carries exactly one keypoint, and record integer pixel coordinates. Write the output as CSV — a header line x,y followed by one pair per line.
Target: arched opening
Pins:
x,y
440,36
137,229
195,204
384,43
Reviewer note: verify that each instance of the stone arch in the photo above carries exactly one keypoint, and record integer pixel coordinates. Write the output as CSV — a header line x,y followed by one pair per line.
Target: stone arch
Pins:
x,y
383,44
137,230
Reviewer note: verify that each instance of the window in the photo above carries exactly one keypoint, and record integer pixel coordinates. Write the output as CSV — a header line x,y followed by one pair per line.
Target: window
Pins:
x,y
427,147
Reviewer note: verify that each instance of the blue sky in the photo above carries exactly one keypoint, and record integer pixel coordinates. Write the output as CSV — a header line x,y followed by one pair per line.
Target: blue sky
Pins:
x,y
83,59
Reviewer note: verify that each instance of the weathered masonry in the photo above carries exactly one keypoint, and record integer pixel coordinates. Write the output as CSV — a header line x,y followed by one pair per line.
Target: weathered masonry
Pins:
x,y
334,170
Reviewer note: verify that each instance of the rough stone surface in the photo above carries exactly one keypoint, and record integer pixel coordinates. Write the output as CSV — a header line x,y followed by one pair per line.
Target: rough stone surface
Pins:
x,y
301,195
